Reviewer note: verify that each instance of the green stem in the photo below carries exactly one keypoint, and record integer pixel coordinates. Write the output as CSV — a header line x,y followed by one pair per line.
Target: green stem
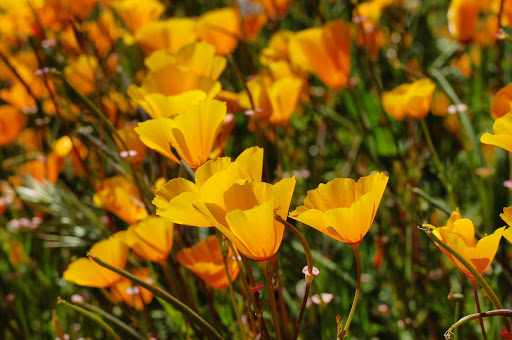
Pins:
x,y
358,289
91,316
440,167
183,308
114,320
477,302
436,202
265,265
494,299
497,312
309,278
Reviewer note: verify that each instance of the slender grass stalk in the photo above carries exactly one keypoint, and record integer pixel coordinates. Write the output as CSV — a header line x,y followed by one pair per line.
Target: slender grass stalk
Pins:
x,y
494,299
266,267
91,316
114,320
358,289
477,302
440,167
437,203
183,308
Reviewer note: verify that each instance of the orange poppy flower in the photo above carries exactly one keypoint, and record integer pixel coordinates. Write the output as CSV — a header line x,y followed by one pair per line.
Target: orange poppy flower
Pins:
x,y
463,19
81,73
205,260
221,28
151,238
136,149
507,217
459,233
409,99
324,51
136,13
86,272
171,34
343,208
12,123
502,136
121,197
192,133
175,199
502,102
132,295
276,100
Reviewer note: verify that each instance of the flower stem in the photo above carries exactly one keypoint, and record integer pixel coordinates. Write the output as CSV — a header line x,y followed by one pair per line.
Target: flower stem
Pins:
x,y
358,288
477,302
91,316
309,278
114,320
183,308
467,318
265,265
494,299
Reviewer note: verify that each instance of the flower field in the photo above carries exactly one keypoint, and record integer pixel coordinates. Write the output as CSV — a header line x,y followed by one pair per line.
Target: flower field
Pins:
x,y
255,169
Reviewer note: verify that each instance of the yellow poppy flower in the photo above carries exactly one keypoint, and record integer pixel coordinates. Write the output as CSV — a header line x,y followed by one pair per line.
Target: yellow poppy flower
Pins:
x,y
121,197
463,19
246,217
160,106
502,136
324,51
221,28
277,48
132,295
175,199
86,272
412,100
507,217
342,208
171,34
136,13
195,65
459,233
12,123
205,260
192,133
502,102
151,238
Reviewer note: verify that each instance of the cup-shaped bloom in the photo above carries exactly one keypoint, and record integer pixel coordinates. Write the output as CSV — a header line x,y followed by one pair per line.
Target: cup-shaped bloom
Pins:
x,y
276,100
134,296
150,239
248,217
459,233
343,208
12,123
136,14
175,199
502,136
171,34
191,133
221,28
463,19
132,149
412,100
161,106
324,51
86,272
502,102
121,197
205,260
195,65
81,73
